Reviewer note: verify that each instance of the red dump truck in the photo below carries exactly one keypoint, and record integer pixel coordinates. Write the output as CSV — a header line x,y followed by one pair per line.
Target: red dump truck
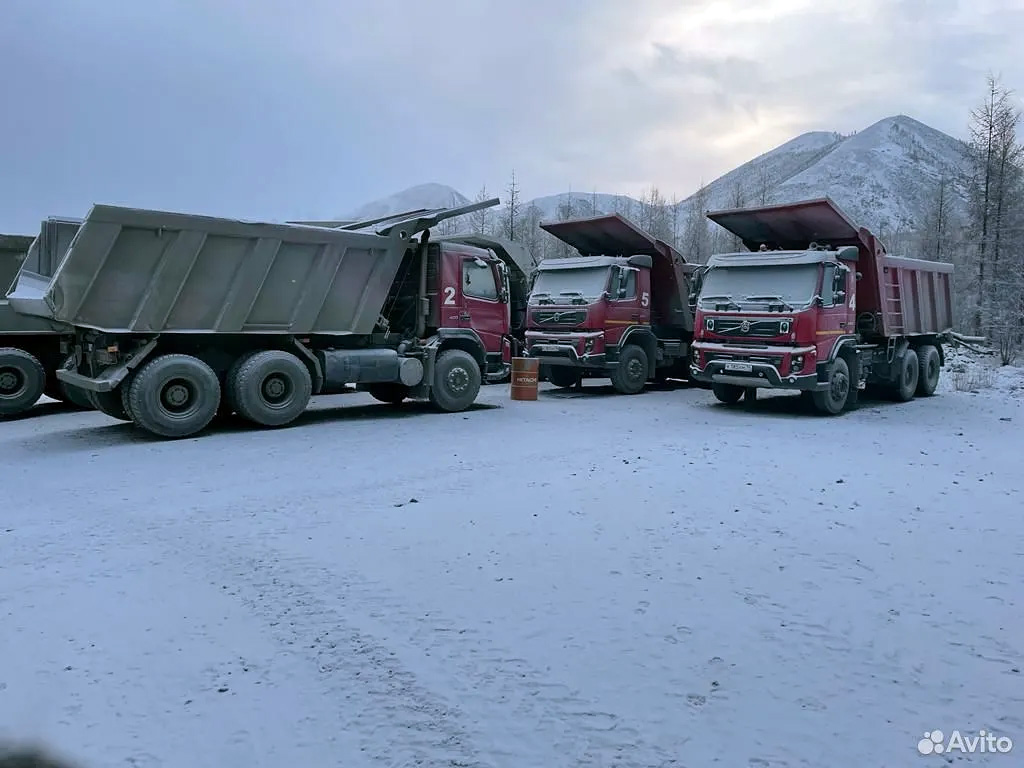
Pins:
x,y
817,305
619,310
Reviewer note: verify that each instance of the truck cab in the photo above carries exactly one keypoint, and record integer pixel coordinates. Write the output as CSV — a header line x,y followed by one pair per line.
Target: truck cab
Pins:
x,y
816,304
617,310
771,318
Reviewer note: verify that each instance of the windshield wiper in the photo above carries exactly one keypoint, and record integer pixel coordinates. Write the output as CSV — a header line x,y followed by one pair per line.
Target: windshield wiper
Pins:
x,y
543,298
771,299
577,296
721,299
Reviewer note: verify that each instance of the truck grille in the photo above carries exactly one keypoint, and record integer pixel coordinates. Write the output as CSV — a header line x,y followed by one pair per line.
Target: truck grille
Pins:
x,y
775,360
567,317
729,326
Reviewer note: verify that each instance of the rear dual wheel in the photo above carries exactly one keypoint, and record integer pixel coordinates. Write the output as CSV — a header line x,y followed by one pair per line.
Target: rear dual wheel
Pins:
x,y
22,381
271,388
173,396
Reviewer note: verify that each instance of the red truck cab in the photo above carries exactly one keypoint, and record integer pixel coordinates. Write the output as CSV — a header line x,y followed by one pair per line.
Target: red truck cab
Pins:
x,y
817,305
618,310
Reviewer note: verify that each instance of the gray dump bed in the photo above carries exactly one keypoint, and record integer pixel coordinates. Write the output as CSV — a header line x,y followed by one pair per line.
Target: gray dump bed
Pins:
x,y
13,249
142,271
32,268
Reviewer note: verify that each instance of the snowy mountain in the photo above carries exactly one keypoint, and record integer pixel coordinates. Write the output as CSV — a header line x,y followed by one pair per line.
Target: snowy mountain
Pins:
x,y
882,176
420,196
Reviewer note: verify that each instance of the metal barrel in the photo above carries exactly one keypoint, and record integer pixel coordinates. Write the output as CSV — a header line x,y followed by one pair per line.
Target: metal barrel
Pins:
x,y
525,378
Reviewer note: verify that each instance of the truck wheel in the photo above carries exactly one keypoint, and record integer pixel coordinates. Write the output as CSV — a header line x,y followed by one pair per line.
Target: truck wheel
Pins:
x,y
456,381
388,392
729,394
174,396
833,400
22,381
271,388
906,383
564,377
109,403
928,370
67,393
629,377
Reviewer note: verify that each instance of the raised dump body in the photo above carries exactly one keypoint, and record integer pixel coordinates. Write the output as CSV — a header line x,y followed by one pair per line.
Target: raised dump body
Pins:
x,y
620,309
137,271
32,348
178,317
818,305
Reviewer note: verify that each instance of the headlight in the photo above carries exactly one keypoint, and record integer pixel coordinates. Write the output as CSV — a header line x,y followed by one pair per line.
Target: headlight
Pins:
x,y
588,346
796,364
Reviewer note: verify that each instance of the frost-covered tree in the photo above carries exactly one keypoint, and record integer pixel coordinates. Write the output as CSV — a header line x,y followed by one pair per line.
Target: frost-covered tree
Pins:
x,y
480,221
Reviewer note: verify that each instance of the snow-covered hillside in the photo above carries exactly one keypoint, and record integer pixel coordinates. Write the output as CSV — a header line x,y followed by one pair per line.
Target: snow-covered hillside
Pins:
x,y
420,196
882,176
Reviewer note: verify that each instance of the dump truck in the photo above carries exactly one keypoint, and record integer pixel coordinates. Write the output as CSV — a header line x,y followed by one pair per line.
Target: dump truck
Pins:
x,y
178,317
32,349
620,309
817,305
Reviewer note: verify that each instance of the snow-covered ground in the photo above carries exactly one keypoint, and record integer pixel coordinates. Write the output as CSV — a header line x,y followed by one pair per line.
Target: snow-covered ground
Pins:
x,y
587,579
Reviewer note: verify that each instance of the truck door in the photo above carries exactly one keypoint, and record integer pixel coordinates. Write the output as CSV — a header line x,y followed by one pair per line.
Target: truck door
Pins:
x,y
624,306
482,307
835,315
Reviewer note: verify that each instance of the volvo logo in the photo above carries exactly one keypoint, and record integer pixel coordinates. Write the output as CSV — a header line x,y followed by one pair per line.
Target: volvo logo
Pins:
x,y
745,326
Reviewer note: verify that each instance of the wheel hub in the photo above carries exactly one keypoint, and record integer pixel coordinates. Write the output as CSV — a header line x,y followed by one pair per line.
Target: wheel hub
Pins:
x,y
275,388
10,381
457,379
634,369
176,395
840,387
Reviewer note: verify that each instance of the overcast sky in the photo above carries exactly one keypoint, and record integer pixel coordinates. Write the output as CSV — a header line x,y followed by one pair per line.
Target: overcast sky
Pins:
x,y
273,110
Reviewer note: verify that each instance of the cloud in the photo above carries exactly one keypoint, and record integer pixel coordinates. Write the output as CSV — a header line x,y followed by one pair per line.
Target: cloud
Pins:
x,y
261,108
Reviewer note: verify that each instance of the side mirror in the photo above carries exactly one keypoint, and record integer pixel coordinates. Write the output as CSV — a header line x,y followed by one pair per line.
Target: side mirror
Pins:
x,y
480,263
860,275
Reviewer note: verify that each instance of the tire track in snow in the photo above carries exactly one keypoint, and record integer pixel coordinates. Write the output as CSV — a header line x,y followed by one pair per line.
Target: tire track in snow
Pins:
x,y
366,642
397,720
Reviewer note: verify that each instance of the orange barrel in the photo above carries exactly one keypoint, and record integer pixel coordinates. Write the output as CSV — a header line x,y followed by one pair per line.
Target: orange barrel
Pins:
x,y
525,377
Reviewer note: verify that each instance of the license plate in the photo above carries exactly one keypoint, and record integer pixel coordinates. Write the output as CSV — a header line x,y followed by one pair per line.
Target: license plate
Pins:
x,y
739,367
549,348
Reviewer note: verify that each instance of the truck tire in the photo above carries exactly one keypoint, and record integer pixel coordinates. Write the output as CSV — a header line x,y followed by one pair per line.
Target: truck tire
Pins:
x,y
729,394
564,377
174,396
834,400
908,371
456,381
928,370
271,388
629,377
110,403
73,396
390,392
22,381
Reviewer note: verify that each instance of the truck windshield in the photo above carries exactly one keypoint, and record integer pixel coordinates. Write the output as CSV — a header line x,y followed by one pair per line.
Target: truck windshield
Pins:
x,y
791,285
567,285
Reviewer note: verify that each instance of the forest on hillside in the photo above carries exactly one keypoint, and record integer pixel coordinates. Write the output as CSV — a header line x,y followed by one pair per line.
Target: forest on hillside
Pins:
x,y
985,241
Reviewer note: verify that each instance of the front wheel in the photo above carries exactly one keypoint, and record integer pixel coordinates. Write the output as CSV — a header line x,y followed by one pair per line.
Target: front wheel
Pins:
x,y
729,394
456,381
174,396
832,401
391,393
629,377
564,377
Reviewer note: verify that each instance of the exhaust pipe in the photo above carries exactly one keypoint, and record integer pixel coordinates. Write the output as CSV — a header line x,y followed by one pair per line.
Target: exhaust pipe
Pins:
x,y
421,316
